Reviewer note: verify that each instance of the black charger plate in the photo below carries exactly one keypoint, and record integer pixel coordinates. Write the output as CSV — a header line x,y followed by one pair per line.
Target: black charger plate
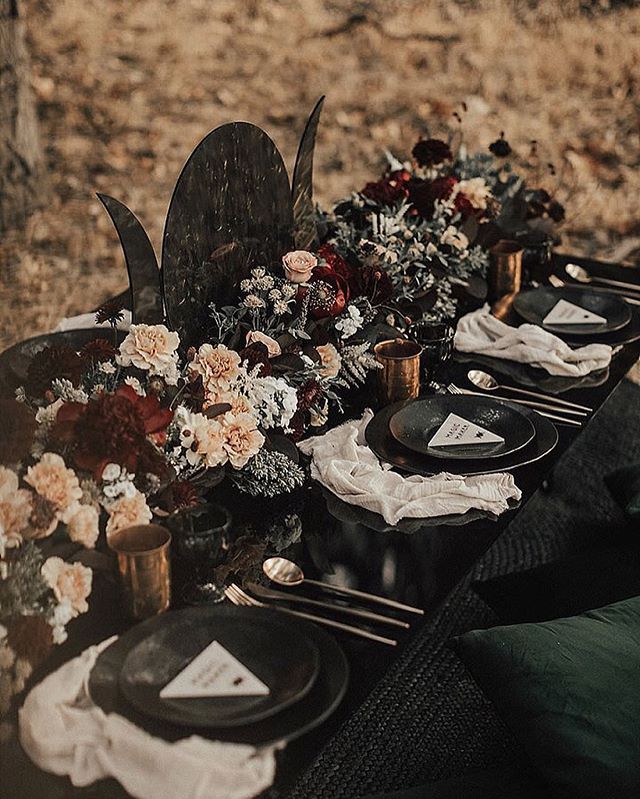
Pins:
x,y
526,375
535,304
416,423
321,701
287,664
379,438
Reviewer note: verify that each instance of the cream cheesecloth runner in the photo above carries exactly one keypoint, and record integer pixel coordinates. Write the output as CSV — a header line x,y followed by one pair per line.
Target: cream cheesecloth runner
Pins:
x,y
63,732
345,465
480,333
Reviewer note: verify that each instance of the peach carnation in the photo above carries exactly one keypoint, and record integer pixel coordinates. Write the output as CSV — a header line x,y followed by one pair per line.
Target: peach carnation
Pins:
x,y
128,511
218,366
242,439
83,526
53,481
15,509
152,348
209,441
331,360
71,582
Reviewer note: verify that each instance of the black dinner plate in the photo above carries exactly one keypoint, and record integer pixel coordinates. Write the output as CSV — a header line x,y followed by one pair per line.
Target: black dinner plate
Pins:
x,y
535,304
322,700
287,664
416,424
384,445
14,361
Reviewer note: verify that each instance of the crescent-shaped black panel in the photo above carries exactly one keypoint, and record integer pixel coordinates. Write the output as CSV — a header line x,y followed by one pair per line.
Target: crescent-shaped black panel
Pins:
x,y
305,233
142,266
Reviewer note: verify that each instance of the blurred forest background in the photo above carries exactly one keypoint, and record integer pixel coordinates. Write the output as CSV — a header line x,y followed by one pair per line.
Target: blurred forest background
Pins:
x,y
126,88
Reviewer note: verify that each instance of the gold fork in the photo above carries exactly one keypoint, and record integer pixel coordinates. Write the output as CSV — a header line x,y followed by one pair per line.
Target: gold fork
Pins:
x,y
239,597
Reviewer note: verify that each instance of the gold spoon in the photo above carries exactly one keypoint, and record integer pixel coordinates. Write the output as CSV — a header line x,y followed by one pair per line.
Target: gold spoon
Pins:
x,y
487,382
286,572
582,276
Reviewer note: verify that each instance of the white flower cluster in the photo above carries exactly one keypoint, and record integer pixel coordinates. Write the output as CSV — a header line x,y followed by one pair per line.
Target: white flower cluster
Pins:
x,y
65,390
117,482
273,401
264,291
350,322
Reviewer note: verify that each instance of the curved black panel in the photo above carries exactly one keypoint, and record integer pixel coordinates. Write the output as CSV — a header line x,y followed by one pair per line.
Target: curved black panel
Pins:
x,y
144,275
305,233
230,210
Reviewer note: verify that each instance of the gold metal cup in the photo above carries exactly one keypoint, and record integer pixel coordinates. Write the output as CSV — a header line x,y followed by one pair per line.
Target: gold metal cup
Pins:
x,y
399,378
505,269
145,568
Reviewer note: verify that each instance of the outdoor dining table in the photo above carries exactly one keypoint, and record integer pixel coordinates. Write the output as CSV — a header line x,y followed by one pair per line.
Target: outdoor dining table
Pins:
x,y
419,566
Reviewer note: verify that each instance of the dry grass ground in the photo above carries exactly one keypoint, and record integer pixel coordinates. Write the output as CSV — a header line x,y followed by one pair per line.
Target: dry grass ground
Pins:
x,y
126,89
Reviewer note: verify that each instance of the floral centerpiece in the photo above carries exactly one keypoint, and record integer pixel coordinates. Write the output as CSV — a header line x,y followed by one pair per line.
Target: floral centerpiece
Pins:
x,y
428,222
118,432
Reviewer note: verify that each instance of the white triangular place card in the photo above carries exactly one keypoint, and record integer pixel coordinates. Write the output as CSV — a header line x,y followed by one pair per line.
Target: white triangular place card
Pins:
x,y
566,313
215,672
455,431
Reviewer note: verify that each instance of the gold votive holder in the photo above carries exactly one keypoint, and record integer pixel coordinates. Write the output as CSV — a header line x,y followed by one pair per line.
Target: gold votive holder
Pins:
x,y
144,567
399,378
505,269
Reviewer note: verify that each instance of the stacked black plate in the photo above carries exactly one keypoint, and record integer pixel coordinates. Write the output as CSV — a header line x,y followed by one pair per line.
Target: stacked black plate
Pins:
x,y
621,323
303,667
401,434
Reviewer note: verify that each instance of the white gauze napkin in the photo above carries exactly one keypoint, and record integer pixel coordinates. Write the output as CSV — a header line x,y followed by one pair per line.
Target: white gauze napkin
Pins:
x,y
63,732
343,463
480,333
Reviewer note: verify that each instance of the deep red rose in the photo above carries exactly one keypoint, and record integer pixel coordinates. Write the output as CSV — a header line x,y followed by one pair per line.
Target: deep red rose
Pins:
x,y
329,293
257,353
341,267
389,190
114,428
308,393
424,195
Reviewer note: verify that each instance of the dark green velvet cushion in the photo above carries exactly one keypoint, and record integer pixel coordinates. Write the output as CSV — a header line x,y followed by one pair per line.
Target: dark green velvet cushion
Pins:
x,y
570,691
624,485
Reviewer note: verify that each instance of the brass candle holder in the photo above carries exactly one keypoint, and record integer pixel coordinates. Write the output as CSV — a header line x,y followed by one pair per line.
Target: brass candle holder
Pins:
x,y
399,378
145,568
505,269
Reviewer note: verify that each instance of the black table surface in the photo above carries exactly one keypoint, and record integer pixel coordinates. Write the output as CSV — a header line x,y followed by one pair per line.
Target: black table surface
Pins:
x,y
419,566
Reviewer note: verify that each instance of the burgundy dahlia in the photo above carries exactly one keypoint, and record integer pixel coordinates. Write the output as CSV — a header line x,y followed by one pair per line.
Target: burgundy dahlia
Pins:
x,y
98,350
431,152
55,362
389,190
500,147
114,428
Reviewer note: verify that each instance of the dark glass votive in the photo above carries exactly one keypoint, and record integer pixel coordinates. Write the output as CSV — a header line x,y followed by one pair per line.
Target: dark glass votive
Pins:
x,y
537,255
201,540
436,340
